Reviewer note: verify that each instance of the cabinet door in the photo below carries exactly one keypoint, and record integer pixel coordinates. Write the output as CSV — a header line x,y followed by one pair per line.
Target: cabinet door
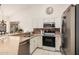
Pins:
x,y
9,45
39,41
1,46
32,45
12,44
58,42
35,42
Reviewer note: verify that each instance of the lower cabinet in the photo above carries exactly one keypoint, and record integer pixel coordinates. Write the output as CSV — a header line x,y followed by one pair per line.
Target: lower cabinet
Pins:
x,y
9,45
35,42
39,41
58,42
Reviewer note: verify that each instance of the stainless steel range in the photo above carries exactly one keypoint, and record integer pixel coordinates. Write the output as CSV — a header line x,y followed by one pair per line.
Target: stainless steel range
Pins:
x,y
49,34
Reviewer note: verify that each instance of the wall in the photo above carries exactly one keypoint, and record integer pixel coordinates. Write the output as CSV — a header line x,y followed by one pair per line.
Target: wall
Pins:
x,y
32,16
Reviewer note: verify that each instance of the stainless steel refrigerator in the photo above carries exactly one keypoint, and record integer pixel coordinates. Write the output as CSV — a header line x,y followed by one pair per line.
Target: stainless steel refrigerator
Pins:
x,y
71,33
68,31
77,29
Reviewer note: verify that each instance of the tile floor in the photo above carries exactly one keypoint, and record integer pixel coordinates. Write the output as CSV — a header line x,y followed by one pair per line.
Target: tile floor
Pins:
x,y
39,51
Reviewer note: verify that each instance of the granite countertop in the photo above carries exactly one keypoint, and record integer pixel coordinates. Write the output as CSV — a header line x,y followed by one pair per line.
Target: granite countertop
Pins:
x,y
22,38
26,37
30,37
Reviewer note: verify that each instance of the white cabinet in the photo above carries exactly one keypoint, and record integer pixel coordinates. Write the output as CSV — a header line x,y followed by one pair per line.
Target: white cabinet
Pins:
x,y
35,42
13,44
9,45
31,45
39,41
58,42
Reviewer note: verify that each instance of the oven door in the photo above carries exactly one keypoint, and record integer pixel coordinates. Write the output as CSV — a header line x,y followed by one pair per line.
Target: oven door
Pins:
x,y
48,41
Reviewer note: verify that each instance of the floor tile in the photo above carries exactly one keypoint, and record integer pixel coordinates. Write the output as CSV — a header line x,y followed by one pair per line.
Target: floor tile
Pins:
x,y
45,52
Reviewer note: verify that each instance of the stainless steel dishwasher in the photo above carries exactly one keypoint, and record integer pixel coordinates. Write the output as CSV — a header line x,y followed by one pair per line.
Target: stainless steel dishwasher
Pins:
x,y
24,48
